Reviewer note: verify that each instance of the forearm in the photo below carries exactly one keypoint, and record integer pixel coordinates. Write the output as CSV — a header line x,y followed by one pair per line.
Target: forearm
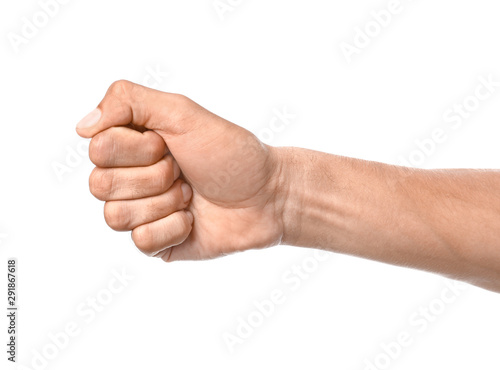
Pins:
x,y
445,221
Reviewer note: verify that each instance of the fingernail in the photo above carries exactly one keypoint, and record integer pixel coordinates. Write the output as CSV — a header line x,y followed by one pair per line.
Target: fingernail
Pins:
x,y
186,192
177,170
190,216
90,119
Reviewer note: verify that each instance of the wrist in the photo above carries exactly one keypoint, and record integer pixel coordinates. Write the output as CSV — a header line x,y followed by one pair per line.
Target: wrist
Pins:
x,y
313,193
288,193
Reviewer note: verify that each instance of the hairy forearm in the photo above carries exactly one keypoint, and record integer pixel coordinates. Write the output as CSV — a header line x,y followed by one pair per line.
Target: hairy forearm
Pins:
x,y
445,221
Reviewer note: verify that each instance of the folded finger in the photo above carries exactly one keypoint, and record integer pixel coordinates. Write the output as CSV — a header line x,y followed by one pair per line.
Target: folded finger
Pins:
x,y
122,215
134,182
125,147
155,237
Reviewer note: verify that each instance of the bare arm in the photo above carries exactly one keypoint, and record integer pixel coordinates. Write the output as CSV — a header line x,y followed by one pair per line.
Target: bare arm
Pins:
x,y
191,185
444,221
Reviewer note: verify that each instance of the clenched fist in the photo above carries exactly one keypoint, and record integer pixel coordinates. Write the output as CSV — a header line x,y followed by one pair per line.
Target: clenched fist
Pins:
x,y
189,184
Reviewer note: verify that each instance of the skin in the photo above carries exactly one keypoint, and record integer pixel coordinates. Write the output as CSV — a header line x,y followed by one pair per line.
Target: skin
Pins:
x,y
191,185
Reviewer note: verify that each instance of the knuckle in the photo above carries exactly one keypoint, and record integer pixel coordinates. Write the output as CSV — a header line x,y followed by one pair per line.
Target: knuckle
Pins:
x,y
151,206
143,240
181,99
100,184
116,216
120,88
183,106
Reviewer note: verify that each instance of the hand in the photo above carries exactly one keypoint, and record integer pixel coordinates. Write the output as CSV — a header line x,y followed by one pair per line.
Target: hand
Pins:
x,y
147,145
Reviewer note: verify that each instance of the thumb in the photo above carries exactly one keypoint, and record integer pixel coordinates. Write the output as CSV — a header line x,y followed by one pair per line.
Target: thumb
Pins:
x,y
128,103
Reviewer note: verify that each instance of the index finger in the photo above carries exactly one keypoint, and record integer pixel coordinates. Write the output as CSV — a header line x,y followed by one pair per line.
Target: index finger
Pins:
x,y
127,103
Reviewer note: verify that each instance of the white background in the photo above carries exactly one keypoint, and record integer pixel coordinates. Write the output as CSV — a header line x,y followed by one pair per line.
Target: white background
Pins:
x,y
262,55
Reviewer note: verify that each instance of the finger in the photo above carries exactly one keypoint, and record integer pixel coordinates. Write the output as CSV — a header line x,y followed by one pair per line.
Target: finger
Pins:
x,y
128,103
188,250
125,147
155,237
123,215
133,182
